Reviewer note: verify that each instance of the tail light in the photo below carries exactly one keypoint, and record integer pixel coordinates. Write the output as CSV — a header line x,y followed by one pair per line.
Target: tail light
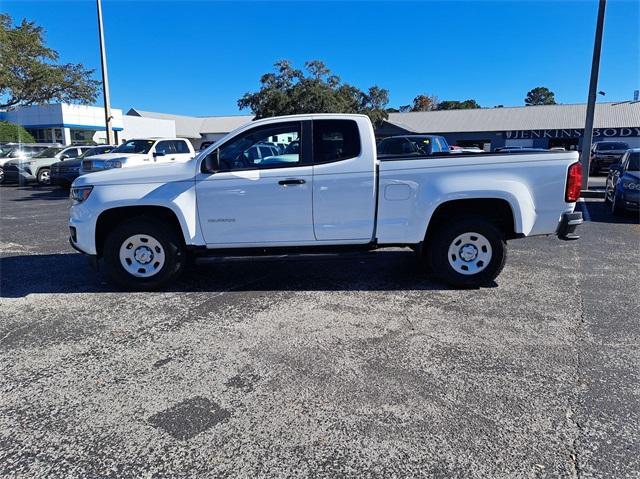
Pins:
x,y
574,183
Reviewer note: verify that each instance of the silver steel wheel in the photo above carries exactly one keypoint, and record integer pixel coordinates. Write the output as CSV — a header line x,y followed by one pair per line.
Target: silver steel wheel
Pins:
x,y
142,256
470,253
45,177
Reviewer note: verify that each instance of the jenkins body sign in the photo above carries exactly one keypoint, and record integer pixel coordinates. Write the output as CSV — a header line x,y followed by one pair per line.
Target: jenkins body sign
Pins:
x,y
598,133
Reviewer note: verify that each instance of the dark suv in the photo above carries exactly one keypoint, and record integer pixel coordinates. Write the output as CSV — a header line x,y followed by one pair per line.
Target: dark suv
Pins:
x,y
604,154
413,145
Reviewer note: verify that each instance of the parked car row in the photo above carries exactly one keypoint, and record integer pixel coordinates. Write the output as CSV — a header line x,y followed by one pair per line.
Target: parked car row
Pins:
x,y
61,165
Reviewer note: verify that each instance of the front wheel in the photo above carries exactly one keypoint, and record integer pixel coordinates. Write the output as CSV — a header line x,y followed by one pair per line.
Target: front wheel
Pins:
x,y
143,254
617,209
44,176
467,252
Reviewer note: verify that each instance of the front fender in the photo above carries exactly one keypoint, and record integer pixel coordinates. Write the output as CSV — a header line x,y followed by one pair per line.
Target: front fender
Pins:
x,y
179,197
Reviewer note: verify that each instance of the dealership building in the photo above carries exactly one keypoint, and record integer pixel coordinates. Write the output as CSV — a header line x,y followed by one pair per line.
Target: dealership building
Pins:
x,y
544,126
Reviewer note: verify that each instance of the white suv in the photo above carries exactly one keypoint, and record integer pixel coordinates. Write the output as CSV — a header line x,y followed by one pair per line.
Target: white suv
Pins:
x,y
138,152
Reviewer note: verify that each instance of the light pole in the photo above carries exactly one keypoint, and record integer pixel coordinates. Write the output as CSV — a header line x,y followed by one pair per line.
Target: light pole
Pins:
x,y
105,79
591,102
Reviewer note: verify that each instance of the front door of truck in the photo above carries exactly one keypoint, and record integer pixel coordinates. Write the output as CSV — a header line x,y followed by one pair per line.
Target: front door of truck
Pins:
x,y
255,200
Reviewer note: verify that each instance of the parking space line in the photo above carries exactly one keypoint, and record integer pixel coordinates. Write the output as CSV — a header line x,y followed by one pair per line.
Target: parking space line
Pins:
x,y
584,209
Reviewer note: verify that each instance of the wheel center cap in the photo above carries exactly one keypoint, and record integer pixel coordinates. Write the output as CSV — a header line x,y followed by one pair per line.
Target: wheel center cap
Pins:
x,y
143,255
468,252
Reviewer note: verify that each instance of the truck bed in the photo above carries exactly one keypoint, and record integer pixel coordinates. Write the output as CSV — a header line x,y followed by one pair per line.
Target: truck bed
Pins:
x,y
411,188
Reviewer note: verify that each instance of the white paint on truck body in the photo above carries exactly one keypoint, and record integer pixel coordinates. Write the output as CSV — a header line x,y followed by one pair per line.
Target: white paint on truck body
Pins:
x,y
336,203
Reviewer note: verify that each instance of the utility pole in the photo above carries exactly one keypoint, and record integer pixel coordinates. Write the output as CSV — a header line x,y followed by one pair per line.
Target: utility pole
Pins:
x,y
105,79
591,102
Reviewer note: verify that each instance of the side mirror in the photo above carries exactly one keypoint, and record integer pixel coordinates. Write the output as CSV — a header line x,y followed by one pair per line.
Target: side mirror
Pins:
x,y
211,162
159,153
64,157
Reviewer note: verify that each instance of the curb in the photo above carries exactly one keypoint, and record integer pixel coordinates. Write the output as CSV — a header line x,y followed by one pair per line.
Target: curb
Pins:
x,y
592,194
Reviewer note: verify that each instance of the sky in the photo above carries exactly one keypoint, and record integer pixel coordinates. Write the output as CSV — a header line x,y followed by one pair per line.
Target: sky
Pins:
x,y
200,57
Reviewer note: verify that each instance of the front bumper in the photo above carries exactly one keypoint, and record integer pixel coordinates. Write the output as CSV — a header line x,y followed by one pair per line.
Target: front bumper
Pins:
x,y
601,163
63,178
568,224
631,200
82,228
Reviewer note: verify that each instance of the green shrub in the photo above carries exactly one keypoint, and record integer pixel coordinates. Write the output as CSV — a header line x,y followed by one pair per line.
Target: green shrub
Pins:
x,y
13,132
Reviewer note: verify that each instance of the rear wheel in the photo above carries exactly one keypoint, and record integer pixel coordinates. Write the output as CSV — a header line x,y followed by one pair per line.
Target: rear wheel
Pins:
x,y
143,254
44,176
467,252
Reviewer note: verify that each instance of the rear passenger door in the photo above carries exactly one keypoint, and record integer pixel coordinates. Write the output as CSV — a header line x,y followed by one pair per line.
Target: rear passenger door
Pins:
x,y
343,183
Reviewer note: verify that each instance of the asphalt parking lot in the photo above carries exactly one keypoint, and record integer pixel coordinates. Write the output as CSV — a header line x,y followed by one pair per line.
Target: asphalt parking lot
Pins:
x,y
319,366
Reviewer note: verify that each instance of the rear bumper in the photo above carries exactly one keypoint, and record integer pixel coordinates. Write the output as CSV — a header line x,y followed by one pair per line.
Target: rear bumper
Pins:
x,y
568,224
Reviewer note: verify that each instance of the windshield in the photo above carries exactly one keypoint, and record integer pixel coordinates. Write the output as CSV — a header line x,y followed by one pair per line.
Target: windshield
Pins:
x,y
96,151
613,146
634,161
49,153
135,146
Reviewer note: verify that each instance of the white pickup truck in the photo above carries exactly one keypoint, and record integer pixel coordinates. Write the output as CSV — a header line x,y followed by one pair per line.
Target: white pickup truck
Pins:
x,y
140,151
326,190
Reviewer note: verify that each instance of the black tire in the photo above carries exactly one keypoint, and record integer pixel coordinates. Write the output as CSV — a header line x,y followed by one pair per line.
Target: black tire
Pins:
x,y
44,176
616,208
172,245
1,175
437,251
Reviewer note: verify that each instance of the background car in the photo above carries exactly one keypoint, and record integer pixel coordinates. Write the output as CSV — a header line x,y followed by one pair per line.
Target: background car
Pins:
x,y
206,144
413,145
605,153
465,149
139,152
37,168
64,172
622,189
22,151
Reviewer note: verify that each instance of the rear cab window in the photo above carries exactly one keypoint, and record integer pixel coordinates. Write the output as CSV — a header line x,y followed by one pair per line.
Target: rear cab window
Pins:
x,y
335,140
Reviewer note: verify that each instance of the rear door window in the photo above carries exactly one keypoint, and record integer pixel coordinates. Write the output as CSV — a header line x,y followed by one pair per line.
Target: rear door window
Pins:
x,y
335,140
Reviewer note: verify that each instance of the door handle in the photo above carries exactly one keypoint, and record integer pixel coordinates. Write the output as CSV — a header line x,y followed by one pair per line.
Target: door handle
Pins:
x,y
291,182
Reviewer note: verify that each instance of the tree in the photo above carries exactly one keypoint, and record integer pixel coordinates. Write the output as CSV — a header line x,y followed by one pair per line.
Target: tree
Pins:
x,y
458,105
289,91
29,73
540,96
424,103
14,133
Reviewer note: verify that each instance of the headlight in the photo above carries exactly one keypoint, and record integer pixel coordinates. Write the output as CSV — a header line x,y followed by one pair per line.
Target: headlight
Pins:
x,y
113,164
80,194
630,185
